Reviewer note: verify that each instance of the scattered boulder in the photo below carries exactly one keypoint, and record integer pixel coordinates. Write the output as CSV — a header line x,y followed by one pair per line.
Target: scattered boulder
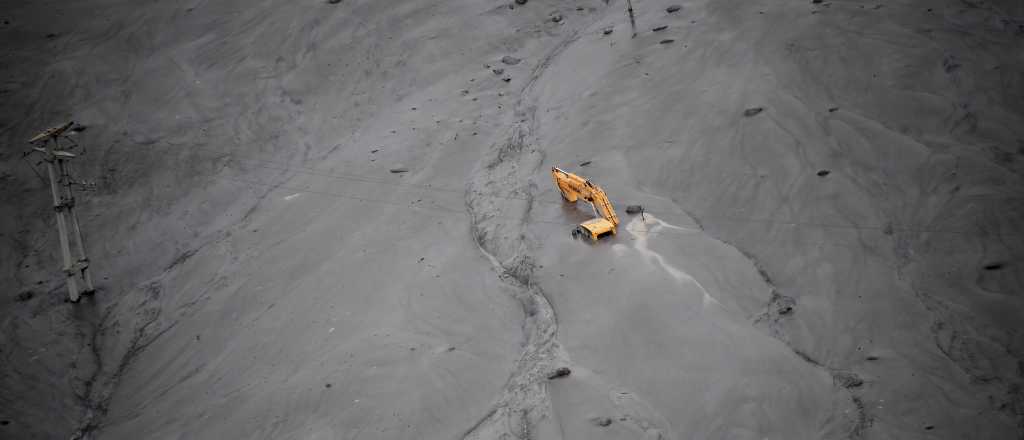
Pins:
x,y
929,427
660,28
667,41
498,71
816,2
634,209
847,379
673,9
521,2
994,266
506,79
557,18
608,30
833,109
398,170
753,111
333,2
871,358
823,173
327,385
510,60
601,421
559,372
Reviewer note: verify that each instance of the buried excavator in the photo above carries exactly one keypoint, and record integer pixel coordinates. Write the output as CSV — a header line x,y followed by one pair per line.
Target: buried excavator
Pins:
x,y
573,188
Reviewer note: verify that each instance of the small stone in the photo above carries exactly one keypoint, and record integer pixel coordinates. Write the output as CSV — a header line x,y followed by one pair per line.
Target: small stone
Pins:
x,y
753,111
634,209
24,296
498,71
585,163
872,358
833,109
667,41
521,2
785,310
660,28
510,60
333,2
5,422
673,8
506,79
601,421
816,2
929,427
994,266
557,18
51,35
559,372
823,173
397,170
327,385
374,150
608,30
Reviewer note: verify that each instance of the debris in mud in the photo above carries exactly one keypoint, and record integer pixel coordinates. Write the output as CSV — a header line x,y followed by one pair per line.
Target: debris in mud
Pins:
x,y
816,1
51,36
398,170
327,385
929,427
333,2
833,109
585,163
507,79
24,296
888,229
5,422
601,421
559,372
847,379
673,8
374,150
557,18
994,266
667,41
498,70
872,358
634,209
78,128
753,111
608,30
823,173
660,28
521,2
785,310
510,60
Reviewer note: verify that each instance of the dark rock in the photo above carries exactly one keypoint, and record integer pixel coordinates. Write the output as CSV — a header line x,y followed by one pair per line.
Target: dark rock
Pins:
x,y
667,41
5,422
833,109
498,71
847,379
399,170
579,8
634,209
608,30
673,8
506,79
823,173
78,128
559,372
510,60
601,421
24,296
333,2
327,385
51,35
557,18
929,427
872,358
660,28
994,266
585,163
816,1
785,310
753,111
521,2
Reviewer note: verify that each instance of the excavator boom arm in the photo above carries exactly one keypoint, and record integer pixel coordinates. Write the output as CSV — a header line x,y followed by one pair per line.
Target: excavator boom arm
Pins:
x,y
574,187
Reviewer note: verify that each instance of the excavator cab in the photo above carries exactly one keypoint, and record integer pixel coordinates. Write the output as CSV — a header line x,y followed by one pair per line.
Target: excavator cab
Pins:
x,y
573,188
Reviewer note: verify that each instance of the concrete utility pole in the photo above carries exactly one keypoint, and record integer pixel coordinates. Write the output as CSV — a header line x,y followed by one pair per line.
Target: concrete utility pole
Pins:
x,y
632,21
58,166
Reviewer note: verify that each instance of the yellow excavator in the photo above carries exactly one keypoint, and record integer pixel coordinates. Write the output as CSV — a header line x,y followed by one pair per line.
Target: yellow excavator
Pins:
x,y
573,188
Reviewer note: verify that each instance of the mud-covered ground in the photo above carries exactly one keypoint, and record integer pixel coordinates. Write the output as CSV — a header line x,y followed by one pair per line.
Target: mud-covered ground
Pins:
x,y
336,220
